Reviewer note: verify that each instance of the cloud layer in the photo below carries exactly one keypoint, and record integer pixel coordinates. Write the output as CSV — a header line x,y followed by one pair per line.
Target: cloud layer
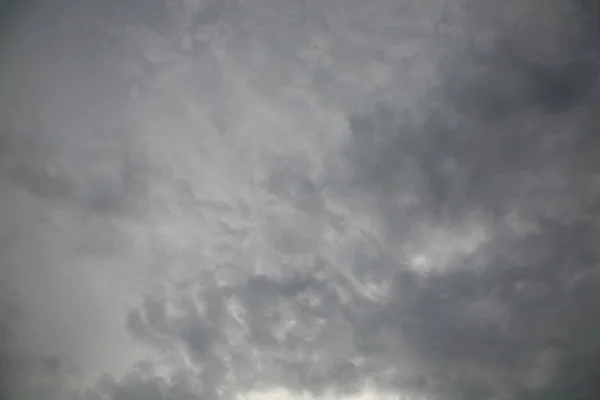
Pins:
x,y
330,199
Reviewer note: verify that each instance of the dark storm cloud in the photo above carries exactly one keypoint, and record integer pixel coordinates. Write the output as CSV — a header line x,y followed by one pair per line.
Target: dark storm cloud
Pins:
x,y
506,134
508,328
519,137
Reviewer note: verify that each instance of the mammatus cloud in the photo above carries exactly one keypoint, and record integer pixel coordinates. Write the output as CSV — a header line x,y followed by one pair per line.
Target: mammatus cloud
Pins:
x,y
300,199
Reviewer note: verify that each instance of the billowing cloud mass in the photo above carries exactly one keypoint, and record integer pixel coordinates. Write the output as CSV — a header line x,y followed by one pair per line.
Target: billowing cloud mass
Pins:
x,y
250,199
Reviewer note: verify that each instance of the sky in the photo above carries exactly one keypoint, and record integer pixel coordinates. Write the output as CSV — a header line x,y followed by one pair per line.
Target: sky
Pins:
x,y
299,200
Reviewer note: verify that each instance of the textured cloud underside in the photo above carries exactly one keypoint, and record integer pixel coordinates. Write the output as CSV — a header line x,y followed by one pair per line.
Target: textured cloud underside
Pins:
x,y
261,199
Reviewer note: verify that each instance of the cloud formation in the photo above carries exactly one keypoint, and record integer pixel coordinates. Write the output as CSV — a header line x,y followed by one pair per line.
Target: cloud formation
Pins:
x,y
301,198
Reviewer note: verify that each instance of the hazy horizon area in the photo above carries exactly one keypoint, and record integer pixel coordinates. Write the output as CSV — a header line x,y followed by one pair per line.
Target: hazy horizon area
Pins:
x,y
299,199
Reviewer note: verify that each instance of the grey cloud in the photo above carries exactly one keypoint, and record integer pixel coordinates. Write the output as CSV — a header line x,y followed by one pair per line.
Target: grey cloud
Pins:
x,y
209,14
71,146
476,332
290,181
31,376
516,318
493,139
265,302
151,13
64,143
505,134
198,338
121,191
41,183
143,384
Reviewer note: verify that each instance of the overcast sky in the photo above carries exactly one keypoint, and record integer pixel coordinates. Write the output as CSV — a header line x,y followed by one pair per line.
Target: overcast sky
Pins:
x,y
299,199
